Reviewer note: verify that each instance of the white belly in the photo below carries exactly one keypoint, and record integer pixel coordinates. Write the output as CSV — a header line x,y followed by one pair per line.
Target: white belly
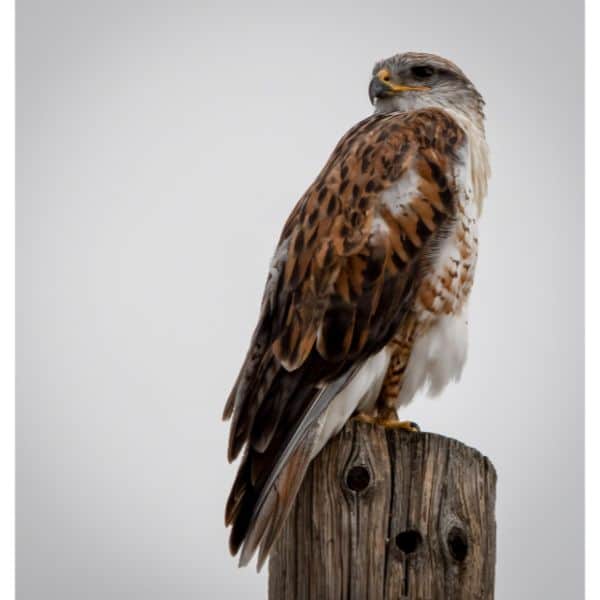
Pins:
x,y
437,357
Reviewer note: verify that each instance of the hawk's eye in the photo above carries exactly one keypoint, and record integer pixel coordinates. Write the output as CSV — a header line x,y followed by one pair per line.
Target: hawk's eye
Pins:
x,y
422,72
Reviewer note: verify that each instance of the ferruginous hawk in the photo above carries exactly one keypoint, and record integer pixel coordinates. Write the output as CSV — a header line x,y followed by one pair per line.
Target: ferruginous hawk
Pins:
x,y
366,297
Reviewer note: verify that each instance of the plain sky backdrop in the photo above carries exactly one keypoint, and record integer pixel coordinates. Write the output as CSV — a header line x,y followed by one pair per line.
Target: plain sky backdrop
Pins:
x,y
160,147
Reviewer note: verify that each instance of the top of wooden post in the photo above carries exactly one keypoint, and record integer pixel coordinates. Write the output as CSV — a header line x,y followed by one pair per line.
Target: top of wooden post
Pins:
x,y
390,514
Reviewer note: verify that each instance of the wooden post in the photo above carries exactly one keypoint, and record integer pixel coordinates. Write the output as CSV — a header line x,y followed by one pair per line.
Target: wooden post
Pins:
x,y
388,514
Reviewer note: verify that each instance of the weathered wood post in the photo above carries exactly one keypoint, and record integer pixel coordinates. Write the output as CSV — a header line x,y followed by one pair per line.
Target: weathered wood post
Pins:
x,y
388,514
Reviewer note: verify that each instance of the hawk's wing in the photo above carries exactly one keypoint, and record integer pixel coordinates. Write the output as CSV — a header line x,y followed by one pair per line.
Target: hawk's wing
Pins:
x,y
342,279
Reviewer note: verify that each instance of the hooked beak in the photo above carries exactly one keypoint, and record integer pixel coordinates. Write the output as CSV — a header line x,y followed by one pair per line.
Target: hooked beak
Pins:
x,y
381,86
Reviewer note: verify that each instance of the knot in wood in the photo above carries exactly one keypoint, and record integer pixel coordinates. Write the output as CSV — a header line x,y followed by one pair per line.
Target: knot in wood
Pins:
x,y
409,541
358,478
458,544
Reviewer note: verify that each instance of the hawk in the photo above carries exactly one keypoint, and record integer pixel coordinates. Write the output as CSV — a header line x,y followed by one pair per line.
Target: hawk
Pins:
x,y
366,297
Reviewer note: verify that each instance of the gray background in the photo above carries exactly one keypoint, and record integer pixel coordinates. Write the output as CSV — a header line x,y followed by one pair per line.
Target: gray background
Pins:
x,y
160,148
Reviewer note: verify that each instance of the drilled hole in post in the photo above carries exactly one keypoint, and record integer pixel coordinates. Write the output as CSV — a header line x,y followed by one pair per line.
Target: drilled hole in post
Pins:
x,y
358,478
458,545
409,541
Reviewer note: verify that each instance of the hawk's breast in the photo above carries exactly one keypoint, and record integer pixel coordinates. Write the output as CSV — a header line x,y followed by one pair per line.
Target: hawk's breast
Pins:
x,y
440,347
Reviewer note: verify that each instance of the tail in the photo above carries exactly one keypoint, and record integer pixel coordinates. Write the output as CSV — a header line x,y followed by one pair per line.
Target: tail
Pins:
x,y
265,486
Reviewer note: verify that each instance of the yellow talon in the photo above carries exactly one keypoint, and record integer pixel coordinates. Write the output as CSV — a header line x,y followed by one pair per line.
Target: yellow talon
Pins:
x,y
395,424
387,421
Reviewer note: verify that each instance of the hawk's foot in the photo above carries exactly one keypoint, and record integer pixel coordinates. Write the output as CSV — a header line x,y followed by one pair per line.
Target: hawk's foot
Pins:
x,y
395,424
387,419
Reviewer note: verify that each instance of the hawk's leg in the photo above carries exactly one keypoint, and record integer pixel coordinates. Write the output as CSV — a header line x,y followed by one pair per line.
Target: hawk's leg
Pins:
x,y
392,384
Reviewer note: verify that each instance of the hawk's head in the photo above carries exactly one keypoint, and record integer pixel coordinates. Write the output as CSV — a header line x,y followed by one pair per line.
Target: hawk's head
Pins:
x,y
415,80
